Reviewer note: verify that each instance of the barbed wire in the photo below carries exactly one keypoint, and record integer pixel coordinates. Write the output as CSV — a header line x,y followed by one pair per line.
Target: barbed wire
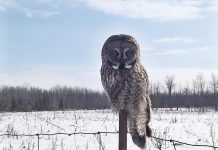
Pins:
x,y
175,142
59,133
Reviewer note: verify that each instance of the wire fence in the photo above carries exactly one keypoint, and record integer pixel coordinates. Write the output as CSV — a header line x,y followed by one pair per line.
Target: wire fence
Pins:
x,y
175,143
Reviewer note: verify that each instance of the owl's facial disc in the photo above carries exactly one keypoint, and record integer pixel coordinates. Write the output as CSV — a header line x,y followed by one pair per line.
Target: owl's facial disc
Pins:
x,y
121,54
121,58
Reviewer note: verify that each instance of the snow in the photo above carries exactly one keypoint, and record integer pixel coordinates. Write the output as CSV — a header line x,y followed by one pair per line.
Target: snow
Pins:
x,y
186,126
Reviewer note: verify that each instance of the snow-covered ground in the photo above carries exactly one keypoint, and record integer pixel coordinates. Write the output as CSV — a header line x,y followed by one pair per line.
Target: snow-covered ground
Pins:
x,y
186,126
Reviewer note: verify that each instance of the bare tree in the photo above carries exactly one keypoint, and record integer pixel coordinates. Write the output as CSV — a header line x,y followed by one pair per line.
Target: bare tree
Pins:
x,y
186,89
156,89
214,86
201,83
214,83
170,84
194,85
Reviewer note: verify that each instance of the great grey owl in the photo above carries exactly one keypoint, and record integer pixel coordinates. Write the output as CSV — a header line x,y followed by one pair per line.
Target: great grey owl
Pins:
x,y
126,84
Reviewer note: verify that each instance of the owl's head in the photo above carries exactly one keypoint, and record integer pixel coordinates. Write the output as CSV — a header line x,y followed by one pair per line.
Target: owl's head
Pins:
x,y
120,52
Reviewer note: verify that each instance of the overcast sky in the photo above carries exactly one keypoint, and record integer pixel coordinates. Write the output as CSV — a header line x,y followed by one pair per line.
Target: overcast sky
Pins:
x,y
49,42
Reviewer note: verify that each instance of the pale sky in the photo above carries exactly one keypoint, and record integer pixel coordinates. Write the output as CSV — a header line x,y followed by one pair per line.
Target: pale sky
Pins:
x,y
49,42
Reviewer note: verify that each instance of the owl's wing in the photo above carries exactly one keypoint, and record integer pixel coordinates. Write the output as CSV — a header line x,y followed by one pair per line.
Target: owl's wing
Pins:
x,y
144,77
139,78
145,86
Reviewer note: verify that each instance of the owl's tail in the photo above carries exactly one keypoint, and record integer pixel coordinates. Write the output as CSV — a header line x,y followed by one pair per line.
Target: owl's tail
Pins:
x,y
140,141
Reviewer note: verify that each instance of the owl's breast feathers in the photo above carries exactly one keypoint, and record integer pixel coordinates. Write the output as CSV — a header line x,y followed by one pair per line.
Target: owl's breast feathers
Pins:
x,y
124,86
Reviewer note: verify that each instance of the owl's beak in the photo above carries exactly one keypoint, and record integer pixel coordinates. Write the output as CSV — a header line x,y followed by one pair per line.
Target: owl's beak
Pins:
x,y
122,65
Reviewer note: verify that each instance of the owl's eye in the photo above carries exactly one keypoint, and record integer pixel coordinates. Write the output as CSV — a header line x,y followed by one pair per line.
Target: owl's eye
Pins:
x,y
115,53
129,53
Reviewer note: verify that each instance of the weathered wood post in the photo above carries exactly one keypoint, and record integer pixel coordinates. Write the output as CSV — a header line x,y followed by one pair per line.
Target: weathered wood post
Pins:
x,y
122,130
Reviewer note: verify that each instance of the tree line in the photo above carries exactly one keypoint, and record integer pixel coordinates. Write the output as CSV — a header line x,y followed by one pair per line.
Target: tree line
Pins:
x,y
25,98
200,93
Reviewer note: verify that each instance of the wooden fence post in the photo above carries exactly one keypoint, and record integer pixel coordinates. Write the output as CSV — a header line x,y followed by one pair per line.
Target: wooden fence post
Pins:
x,y
122,130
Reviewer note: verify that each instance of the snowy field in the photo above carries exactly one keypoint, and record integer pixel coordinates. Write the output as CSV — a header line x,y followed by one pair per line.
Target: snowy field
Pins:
x,y
186,126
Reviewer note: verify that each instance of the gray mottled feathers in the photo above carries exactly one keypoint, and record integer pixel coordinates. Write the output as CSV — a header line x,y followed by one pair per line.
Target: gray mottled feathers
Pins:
x,y
128,89
125,87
